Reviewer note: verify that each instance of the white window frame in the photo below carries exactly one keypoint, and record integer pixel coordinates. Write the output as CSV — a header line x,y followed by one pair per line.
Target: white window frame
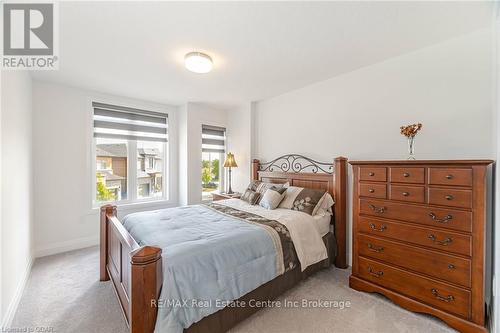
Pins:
x,y
132,155
222,171
222,177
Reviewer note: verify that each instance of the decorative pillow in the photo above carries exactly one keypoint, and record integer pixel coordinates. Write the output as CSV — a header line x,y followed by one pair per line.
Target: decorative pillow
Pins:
x,y
253,185
307,200
263,187
324,205
302,199
250,196
290,195
272,197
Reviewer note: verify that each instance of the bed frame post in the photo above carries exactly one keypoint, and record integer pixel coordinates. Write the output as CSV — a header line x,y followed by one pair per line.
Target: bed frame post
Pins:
x,y
340,175
255,169
105,211
146,285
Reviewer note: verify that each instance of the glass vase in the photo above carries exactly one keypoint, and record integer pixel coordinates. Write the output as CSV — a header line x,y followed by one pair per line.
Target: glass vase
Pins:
x,y
411,148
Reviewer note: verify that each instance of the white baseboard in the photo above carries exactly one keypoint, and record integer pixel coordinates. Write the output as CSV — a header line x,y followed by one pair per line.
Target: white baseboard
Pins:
x,y
66,246
14,303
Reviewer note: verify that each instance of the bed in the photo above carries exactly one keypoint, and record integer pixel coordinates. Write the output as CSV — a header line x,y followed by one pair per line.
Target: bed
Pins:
x,y
136,268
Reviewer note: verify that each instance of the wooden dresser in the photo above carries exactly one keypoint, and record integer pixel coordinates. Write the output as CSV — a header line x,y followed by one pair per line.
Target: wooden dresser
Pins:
x,y
419,236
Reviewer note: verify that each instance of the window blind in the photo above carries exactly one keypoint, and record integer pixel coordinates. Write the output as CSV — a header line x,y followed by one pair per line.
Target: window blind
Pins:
x,y
213,139
120,122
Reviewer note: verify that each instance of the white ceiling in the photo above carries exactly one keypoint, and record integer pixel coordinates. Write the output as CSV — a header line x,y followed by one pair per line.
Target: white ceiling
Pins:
x,y
260,49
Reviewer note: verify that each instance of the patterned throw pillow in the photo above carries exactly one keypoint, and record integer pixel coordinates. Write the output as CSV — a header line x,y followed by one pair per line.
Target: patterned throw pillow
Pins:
x,y
302,199
254,184
291,193
272,197
263,187
250,196
307,199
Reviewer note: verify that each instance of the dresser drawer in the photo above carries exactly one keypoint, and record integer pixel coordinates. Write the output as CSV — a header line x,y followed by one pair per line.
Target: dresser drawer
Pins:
x,y
407,193
376,174
407,175
439,265
432,238
441,295
450,176
373,190
450,197
436,217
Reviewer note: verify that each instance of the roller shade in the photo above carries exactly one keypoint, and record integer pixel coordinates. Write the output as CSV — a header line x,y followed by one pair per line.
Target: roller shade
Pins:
x,y
213,139
120,122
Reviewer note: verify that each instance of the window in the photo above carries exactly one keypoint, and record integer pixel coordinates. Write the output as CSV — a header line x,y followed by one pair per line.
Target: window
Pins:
x,y
130,150
111,169
150,169
213,148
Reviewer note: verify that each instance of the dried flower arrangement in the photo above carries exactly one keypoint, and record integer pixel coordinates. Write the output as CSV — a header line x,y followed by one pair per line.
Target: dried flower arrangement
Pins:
x,y
410,130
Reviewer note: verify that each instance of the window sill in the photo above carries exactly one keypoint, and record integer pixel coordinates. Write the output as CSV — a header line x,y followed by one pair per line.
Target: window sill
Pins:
x,y
138,205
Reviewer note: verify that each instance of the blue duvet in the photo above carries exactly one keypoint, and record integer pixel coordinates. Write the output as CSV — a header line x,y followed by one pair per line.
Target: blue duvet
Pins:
x,y
208,258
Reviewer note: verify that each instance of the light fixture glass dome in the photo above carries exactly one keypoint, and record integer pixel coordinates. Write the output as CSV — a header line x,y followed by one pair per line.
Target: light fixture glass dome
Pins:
x,y
198,62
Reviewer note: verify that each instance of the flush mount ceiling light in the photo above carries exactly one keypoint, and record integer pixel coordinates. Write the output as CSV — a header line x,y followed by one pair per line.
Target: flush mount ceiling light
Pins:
x,y
198,62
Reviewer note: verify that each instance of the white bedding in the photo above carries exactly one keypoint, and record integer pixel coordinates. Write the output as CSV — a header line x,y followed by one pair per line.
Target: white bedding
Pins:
x,y
322,223
303,229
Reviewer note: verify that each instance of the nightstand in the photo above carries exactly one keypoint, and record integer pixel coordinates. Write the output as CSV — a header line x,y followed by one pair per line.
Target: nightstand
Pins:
x,y
224,196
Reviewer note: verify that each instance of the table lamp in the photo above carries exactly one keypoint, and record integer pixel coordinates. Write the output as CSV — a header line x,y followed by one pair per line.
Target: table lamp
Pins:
x,y
230,163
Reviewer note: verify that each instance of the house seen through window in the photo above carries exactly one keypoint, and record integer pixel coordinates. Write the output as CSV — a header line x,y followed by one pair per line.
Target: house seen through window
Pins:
x,y
150,169
111,169
130,150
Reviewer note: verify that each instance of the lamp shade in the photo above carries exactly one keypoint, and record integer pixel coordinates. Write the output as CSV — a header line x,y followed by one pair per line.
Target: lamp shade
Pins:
x,y
230,162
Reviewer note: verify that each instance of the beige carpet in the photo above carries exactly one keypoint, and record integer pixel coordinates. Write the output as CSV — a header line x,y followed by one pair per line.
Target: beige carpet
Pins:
x,y
64,293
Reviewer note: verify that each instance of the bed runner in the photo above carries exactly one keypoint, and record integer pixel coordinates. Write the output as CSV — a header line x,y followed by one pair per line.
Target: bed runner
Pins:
x,y
277,231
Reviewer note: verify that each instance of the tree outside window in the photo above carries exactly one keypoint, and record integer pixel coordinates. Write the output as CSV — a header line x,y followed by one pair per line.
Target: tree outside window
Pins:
x,y
210,173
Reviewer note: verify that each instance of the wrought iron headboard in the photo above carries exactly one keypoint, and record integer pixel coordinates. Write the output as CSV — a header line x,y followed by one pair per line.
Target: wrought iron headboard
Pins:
x,y
296,163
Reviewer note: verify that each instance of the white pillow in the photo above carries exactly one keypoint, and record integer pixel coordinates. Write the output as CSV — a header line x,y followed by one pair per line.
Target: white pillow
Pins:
x,y
272,198
324,205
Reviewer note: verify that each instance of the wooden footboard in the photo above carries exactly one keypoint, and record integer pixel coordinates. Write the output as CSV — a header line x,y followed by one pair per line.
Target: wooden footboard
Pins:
x,y
134,270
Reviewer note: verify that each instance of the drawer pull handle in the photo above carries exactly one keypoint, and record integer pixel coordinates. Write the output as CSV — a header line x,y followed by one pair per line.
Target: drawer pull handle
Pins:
x,y
371,190
445,242
371,174
406,175
374,228
443,220
406,194
449,197
451,266
375,249
376,274
377,209
446,299
449,176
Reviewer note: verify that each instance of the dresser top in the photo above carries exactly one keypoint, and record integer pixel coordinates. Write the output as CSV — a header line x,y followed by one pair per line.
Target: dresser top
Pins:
x,y
424,162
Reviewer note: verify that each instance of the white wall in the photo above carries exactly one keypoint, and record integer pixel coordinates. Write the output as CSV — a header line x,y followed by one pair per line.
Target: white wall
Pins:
x,y
17,190
183,156
62,132
495,320
447,87
239,127
192,116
